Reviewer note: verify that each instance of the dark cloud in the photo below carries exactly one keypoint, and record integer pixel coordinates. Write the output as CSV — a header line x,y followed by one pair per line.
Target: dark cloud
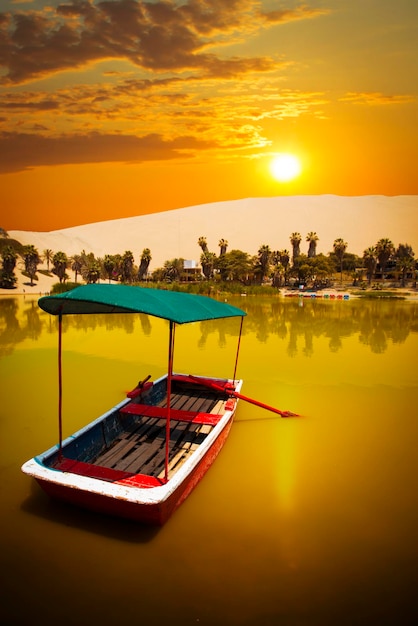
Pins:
x,y
302,12
43,105
159,36
20,151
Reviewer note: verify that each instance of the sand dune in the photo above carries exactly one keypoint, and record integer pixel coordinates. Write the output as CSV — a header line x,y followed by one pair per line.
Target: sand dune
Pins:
x,y
246,224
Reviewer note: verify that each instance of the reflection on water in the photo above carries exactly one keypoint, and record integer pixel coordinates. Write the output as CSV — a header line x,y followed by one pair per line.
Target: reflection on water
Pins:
x,y
299,522
375,323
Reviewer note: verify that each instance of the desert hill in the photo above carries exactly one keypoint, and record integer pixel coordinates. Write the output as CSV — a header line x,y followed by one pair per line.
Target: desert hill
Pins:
x,y
246,224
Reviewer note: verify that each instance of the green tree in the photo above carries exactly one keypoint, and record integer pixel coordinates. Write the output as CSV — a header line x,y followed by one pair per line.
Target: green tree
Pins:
x,y
127,267
48,255
109,265
32,260
284,257
60,264
144,263
370,262
173,270
7,275
278,276
384,251
295,239
77,265
203,244
262,265
404,260
92,273
207,261
223,245
313,239
235,266
340,246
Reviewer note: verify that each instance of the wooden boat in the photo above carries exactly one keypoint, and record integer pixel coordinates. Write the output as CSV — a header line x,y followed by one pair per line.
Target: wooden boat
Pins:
x,y
143,457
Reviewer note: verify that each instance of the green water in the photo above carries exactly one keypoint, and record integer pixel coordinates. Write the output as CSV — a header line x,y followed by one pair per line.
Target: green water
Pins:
x,y
309,521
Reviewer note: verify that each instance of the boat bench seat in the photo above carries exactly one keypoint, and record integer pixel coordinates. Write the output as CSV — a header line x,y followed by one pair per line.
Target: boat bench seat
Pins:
x,y
106,473
195,417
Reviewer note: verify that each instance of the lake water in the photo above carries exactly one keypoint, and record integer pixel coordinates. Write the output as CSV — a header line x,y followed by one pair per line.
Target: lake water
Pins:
x,y
301,521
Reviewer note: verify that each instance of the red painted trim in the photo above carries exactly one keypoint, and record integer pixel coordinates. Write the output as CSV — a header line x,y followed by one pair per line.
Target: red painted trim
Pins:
x,y
155,514
107,473
148,410
141,480
221,383
139,390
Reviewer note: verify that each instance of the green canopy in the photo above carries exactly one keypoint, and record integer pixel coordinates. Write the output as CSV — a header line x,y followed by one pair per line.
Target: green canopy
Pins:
x,y
177,307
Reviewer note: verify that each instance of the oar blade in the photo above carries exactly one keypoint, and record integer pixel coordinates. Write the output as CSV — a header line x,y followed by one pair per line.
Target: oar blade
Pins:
x,y
229,390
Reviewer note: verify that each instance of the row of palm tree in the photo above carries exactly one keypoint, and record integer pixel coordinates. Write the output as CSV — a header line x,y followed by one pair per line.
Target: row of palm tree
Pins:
x,y
91,269
278,266
112,267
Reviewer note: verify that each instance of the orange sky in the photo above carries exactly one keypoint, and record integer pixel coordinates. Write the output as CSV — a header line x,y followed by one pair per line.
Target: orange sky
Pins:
x,y
117,108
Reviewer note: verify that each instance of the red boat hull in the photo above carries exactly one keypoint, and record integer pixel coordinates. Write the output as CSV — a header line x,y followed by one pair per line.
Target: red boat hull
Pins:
x,y
155,513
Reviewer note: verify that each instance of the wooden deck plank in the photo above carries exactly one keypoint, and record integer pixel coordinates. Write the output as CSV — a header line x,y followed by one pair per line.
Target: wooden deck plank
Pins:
x,y
158,459
144,451
194,445
183,447
143,448
124,442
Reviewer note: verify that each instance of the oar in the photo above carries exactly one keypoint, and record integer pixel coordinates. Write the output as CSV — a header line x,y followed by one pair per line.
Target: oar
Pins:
x,y
141,386
230,391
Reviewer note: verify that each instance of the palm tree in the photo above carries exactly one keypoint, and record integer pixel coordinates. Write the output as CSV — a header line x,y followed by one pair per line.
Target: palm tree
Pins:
x,y
77,264
32,260
173,269
313,239
203,244
384,250
404,260
263,261
92,273
278,274
48,254
109,265
7,276
207,261
144,264
295,239
60,264
223,244
285,260
370,261
340,246
127,266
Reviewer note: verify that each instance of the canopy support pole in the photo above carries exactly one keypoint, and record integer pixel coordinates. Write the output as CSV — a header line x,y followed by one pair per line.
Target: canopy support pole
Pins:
x,y
238,347
60,385
169,377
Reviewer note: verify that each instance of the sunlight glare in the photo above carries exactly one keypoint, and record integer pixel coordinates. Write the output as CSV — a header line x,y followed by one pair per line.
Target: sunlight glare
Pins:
x,y
285,167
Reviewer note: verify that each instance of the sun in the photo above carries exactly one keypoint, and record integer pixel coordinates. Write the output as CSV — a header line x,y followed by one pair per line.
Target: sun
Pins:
x,y
285,167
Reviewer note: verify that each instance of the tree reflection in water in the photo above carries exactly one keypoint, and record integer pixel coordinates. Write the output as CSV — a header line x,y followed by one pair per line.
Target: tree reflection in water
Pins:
x,y
376,323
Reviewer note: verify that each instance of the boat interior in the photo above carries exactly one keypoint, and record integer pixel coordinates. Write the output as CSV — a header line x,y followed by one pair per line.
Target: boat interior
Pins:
x,y
129,444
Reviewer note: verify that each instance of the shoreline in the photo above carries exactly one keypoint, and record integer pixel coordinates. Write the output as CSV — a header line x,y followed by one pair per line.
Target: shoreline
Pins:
x,y
44,284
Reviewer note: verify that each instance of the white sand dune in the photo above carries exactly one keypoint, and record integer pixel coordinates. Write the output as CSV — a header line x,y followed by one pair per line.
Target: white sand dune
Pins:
x,y
246,224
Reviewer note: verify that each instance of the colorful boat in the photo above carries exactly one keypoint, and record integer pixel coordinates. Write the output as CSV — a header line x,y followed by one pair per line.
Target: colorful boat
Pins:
x,y
143,457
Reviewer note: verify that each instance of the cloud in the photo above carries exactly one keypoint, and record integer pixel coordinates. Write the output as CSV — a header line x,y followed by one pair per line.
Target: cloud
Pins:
x,y
159,36
376,98
21,151
42,105
290,15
